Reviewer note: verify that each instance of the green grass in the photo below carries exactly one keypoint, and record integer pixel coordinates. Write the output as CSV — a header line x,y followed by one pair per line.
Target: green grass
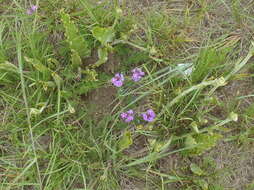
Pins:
x,y
60,125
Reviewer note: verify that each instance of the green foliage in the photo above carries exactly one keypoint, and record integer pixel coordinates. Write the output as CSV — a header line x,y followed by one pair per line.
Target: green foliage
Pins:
x,y
250,110
209,59
76,41
200,143
103,35
201,183
75,59
125,141
216,187
9,73
196,169
41,68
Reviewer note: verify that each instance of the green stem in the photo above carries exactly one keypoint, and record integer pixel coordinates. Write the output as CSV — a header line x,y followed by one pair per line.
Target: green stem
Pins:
x,y
184,93
23,87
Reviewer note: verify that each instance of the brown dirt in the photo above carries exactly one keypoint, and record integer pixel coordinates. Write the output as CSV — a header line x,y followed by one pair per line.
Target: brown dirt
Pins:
x,y
99,101
109,67
102,100
237,162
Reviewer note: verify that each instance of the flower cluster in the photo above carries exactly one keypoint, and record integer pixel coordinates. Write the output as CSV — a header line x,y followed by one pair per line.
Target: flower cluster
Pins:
x,y
32,9
149,115
137,75
118,79
128,116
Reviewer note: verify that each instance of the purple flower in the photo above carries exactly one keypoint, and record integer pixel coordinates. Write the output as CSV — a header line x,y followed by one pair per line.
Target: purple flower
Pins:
x,y
149,115
118,79
128,116
137,74
32,9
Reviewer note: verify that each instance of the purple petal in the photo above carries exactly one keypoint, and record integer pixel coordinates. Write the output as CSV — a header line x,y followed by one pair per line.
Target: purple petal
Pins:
x,y
149,116
113,80
136,77
129,118
151,113
142,73
150,119
34,7
124,115
122,77
131,112
144,116
119,76
118,83
137,74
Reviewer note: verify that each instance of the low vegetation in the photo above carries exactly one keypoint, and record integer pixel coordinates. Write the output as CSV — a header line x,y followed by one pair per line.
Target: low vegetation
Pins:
x,y
111,95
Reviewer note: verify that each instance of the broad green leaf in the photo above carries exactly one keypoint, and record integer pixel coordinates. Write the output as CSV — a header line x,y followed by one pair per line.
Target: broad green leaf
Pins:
x,y
75,59
104,35
74,38
203,142
196,169
126,141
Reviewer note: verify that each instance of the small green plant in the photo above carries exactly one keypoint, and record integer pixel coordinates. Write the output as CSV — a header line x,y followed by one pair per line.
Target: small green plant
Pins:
x,y
77,43
200,143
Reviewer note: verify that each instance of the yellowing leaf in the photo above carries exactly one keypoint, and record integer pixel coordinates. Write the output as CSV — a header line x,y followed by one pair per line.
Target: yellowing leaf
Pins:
x,y
126,141
196,169
38,65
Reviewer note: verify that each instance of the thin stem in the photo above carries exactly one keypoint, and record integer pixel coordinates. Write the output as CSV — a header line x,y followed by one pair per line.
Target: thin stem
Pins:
x,y
23,87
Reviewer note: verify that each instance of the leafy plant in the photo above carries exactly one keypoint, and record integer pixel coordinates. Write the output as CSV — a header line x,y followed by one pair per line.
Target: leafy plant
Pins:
x,y
125,141
200,143
76,41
